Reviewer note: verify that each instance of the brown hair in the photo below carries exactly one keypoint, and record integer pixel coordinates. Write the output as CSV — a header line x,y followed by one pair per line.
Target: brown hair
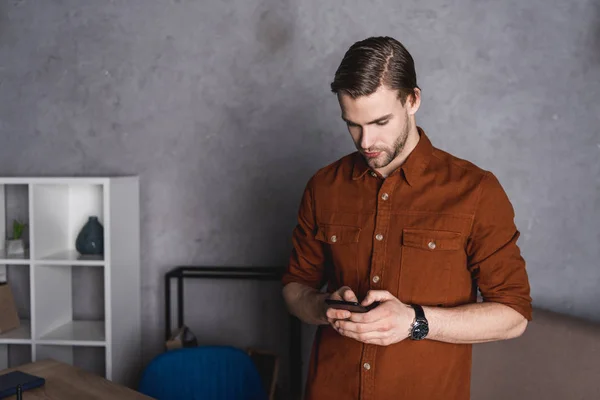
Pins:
x,y
373,62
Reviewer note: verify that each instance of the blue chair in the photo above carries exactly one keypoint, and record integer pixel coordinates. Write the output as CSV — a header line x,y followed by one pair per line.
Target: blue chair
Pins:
x,y
206,372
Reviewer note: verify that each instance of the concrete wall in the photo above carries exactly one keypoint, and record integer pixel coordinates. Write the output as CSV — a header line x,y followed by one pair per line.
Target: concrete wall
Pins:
x,y
223,109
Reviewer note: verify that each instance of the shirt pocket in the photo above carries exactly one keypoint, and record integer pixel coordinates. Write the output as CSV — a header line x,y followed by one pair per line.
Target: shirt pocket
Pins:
x,y
341,249
426,266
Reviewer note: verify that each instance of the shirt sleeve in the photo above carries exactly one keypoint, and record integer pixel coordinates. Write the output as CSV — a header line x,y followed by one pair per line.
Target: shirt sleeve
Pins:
x,y
307,258
494,258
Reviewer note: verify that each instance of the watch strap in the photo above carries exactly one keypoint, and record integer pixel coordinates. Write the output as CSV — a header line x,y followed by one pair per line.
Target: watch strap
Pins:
x,y
419,313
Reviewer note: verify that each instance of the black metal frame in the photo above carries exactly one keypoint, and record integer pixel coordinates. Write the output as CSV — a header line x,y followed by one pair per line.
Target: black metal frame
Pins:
x,y
244,273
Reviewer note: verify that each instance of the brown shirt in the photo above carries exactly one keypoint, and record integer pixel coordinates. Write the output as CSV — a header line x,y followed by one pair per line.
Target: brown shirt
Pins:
x,y
431,233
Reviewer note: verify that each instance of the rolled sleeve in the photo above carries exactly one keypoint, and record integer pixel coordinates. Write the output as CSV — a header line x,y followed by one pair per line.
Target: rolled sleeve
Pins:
x,y
494,258
307,257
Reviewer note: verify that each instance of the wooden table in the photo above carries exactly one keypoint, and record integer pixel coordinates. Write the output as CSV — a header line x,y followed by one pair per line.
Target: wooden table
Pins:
x,y
65,382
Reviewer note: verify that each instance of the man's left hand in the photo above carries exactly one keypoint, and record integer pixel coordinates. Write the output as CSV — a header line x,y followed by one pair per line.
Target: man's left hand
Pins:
x,y
386,324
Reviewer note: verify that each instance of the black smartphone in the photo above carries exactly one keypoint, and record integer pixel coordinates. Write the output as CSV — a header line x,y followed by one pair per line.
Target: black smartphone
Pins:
x,y
351,306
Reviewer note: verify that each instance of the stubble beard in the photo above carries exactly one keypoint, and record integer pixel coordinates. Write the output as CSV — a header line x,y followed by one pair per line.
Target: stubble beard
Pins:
x,y
388,155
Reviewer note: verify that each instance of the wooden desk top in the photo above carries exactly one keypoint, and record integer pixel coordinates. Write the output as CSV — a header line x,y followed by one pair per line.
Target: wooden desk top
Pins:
x,y
65,382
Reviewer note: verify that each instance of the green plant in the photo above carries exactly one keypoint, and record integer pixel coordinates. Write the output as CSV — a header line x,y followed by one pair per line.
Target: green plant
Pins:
x,y
18,228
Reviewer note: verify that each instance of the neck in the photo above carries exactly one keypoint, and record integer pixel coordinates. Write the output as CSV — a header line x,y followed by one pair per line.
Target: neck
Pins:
x,y
411,142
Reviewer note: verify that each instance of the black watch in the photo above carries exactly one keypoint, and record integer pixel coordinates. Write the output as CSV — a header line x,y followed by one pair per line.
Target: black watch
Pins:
x,y
420,326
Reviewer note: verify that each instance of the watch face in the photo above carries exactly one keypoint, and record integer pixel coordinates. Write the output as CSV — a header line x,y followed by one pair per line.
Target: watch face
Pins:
x,y
420,330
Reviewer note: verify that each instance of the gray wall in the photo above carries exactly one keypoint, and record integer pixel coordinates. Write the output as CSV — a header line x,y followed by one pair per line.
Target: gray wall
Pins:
x,y
223,109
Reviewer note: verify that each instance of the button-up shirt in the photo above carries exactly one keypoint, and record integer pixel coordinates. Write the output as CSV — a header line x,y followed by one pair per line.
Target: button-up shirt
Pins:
x,y
434,232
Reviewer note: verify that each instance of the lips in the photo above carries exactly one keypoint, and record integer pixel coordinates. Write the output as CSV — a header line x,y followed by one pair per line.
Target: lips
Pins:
x,y
372,155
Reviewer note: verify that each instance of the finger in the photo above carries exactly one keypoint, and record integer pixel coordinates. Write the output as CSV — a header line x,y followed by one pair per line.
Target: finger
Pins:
x,y
333,325
349,326
339,293
347,294
336,314
367,337
335,295
377,295
379,313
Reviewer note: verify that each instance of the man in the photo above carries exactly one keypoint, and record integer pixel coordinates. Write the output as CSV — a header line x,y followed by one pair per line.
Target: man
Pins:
x,y
412,227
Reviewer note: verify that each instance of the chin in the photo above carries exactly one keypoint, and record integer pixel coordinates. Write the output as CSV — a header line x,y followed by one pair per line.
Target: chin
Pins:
x,y
376,163
372,163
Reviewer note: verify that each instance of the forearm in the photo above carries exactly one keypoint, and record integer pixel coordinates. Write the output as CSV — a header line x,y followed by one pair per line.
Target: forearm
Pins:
x,y
306,303
474,323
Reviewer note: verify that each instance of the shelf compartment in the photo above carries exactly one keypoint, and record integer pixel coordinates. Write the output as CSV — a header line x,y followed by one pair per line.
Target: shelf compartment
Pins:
x,y
19,282
14,259
60,210
14,355
20,335
90,359
70,307
76,333
14,205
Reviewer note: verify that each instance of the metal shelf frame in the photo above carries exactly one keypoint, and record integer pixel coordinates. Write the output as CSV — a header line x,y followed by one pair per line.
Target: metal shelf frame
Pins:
x,y
183,272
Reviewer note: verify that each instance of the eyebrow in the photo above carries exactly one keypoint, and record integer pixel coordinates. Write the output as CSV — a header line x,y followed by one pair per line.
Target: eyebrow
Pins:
x,y
380,119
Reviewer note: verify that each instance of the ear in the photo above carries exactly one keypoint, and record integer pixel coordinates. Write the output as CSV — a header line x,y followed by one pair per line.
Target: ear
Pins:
x,y
413,102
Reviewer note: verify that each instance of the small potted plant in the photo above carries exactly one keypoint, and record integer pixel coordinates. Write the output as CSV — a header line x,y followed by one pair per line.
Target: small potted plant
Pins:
x,y
15,245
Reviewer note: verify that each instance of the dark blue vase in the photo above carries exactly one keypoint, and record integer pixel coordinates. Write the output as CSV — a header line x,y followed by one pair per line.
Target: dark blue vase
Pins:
x,y
90,240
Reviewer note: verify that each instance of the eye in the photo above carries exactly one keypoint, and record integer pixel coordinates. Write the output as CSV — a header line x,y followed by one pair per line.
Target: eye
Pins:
x,y
382,123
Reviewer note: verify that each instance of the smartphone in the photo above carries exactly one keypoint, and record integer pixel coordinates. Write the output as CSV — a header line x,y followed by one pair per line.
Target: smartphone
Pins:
x,y
351,306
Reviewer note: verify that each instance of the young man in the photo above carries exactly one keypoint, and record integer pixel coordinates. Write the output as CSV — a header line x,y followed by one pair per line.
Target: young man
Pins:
x,y
412,227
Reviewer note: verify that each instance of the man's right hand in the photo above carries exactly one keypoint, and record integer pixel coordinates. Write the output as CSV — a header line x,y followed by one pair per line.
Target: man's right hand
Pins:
x,y
332,314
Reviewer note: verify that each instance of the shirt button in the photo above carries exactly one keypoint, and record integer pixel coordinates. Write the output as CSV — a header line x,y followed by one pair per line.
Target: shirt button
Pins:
x,y
334,238
376,278
431,245
385,196
373,174
379,237
367,366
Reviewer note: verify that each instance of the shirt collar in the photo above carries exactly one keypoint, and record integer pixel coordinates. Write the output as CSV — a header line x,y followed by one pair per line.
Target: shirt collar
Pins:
x,y
415,163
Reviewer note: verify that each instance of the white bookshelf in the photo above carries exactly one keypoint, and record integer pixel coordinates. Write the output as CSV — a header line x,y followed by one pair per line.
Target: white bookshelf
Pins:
x,y
56,208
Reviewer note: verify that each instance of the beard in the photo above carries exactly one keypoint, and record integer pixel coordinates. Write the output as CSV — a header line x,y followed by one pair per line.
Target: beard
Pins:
x,y
390,153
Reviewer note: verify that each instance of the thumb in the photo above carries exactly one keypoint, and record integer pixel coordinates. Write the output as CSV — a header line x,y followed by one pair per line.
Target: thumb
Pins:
x,y
377,295
347,294
343,293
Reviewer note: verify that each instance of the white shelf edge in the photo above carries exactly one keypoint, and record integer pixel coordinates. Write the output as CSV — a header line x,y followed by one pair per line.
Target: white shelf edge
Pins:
x,y
55,180
16,341
74,343
32,285
108,317
15,261
70,257
74,263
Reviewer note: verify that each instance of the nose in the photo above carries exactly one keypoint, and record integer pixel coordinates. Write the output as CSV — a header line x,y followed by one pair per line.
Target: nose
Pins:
x,y
366,139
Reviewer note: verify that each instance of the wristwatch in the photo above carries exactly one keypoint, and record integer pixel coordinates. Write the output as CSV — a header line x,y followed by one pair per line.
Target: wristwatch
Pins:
x,y
420,326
